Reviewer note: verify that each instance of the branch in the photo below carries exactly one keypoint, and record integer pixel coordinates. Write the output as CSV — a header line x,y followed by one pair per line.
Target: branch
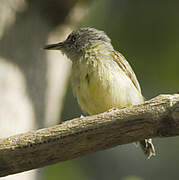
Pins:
x,y
158,117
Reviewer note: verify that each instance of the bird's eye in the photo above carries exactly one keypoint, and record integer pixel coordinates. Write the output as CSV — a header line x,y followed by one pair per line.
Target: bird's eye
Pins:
x,y
73,38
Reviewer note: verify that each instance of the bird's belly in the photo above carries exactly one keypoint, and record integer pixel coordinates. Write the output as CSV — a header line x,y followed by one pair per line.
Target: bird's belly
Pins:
x,y
105,87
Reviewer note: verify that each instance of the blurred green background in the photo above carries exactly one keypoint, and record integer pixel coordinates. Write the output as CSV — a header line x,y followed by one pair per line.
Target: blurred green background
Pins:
x,y
147,34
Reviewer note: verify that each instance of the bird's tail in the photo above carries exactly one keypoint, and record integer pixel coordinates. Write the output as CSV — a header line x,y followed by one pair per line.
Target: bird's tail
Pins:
x,y
147,147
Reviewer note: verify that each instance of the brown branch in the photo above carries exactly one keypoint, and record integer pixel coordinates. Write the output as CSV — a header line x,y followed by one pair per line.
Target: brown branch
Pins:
x,y
158,117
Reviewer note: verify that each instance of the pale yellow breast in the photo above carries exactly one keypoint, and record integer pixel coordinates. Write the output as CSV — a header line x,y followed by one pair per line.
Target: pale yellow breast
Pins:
x,y
101,85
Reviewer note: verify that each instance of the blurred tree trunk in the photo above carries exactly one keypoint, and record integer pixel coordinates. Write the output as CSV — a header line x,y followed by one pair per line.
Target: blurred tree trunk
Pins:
x,y
32,82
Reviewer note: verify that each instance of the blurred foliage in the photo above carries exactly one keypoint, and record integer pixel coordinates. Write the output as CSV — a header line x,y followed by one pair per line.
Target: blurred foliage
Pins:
x,y
146,32
65,171
132,178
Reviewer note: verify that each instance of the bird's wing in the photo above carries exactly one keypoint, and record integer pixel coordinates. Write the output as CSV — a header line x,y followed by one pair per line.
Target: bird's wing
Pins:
x,y
124,65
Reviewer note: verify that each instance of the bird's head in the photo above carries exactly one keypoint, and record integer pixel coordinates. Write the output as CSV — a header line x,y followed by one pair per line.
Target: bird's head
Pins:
x,y
79,41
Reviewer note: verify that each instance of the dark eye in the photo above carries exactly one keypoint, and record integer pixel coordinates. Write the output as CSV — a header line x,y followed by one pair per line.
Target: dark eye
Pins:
x,y
73,38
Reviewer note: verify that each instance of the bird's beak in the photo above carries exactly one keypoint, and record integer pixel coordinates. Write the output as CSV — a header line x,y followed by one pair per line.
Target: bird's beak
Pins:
x,y
56,46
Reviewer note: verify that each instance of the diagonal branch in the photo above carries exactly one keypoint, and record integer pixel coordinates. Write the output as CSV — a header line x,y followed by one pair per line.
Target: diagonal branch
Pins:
x,y
158,117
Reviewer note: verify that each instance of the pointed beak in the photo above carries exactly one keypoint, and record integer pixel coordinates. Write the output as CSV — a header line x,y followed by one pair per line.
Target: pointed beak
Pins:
x,y
56,46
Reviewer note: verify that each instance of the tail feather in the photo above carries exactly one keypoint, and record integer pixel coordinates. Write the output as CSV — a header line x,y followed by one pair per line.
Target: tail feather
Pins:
x,y
147,147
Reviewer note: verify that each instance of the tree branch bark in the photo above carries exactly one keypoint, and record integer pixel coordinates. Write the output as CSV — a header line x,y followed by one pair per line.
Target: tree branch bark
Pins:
x,y
158,117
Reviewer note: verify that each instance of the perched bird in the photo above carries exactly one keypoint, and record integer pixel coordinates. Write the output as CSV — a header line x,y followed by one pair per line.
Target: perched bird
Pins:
x,y
101,76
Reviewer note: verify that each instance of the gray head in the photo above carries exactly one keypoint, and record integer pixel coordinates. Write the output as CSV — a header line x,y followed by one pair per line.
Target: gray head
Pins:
x,y
79,41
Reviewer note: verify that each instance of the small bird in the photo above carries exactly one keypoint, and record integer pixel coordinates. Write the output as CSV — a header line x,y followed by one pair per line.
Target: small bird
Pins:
x,y
101,76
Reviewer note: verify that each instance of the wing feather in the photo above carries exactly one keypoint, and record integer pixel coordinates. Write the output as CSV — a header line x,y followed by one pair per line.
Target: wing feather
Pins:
x,y
125,66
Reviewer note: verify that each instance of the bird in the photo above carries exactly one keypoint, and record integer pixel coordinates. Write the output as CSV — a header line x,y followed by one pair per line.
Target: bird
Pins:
x,y
101,76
